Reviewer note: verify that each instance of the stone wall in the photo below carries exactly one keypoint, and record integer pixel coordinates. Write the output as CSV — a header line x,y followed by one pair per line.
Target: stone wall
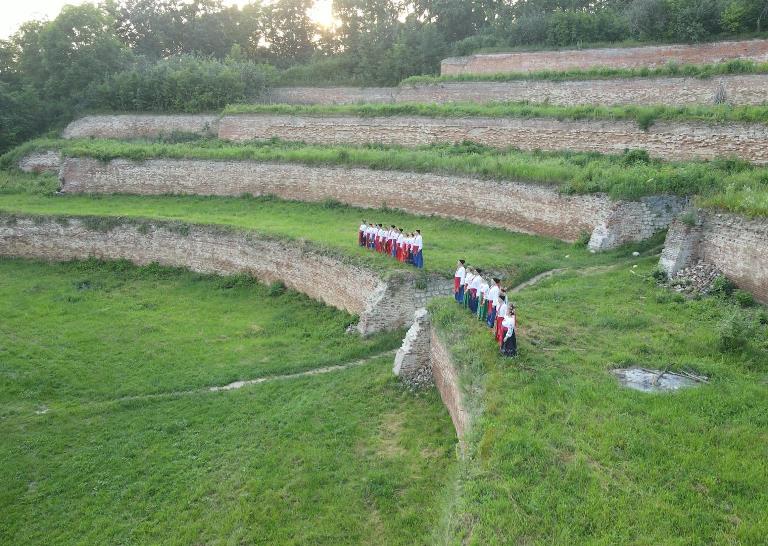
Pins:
x,y
735,245
522,207
629,57
635,220
382,303
141,126
747,89
422,350
41,162
665,140
446,378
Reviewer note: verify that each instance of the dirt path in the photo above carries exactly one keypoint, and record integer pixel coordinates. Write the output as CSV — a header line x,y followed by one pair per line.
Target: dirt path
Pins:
x,y
246,383
537,278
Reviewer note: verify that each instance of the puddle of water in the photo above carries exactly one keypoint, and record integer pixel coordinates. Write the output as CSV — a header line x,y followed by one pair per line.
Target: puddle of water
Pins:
x,y
641,379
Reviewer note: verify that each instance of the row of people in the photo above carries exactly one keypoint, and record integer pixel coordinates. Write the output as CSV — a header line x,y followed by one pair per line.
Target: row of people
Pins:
x,y
393,241
487,299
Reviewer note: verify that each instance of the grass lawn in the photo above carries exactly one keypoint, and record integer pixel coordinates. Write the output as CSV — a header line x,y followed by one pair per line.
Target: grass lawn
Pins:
x,y
102,330
563,455
348,457
516,256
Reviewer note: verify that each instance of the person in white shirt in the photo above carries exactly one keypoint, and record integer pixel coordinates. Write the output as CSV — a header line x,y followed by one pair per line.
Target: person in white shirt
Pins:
x,y
370,236
501,312
458,281
482,305
467,281
361,233
393,241
474,290
493,295
418,250
509,327
400,245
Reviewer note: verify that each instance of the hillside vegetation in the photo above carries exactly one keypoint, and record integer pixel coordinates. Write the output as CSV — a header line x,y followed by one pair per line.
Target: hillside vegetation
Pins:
x,y
730,185
560,453
645,116
111,434
331,225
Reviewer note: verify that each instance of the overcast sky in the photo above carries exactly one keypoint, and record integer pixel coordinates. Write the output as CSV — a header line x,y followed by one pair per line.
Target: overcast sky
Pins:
x,y
14,12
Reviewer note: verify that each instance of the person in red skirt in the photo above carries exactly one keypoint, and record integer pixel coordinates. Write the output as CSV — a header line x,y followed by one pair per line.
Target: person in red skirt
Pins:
x,y
501,312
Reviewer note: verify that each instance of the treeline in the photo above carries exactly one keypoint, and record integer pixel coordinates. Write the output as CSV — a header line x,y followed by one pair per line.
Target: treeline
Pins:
x,y
182,55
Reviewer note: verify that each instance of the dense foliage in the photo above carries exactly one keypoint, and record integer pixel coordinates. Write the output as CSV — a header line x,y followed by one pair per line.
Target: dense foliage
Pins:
x,y
184,56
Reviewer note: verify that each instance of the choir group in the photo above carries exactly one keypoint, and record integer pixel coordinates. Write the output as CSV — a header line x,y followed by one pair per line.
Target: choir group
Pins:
x,y
393,241
487,300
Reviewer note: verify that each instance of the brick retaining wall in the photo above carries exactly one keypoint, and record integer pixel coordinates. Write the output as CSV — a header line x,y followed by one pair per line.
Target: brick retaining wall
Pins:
x,y
141,126
629,57
737,246
665,140
381,303
422,348
748,89
522,207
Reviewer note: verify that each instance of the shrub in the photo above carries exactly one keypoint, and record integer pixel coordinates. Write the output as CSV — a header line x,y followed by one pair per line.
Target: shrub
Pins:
x,y
276,289
762,317
583,240
689,218
633,157
743,298
735,332
722,286
659,275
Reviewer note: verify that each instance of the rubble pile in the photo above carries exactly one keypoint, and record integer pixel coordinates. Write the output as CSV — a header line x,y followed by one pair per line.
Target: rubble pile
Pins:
x,y
696,279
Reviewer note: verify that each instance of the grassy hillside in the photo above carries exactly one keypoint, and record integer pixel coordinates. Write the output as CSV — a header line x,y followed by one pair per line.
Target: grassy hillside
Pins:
x,y
516,256
267,464
563,455
730,184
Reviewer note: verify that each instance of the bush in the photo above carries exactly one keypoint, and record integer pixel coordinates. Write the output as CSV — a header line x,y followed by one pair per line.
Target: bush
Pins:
x,y
181,84
659,275
583,240
722,286
276,289
735,332
689,218
743,298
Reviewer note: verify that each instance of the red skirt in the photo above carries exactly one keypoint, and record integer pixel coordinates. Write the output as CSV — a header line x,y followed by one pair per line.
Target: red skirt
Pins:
x,y
499,320
456,281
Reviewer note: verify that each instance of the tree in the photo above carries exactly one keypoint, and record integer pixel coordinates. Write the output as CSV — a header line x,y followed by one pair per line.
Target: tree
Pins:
x,y
289,31
78,48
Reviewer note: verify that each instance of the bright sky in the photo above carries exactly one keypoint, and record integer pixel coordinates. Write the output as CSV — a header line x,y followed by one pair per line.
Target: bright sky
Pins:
x,y
14,12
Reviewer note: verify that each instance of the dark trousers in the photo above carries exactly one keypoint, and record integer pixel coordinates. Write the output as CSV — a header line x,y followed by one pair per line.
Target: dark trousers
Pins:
x,y
460,294
509,346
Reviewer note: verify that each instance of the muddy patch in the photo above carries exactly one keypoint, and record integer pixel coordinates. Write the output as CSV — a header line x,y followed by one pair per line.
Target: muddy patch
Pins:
x,y
645,380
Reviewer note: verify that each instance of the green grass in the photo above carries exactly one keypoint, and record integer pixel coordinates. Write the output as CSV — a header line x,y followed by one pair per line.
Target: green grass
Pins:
x,y
702,71
81,318
645,116
628,176
516,257
275,463
561,454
